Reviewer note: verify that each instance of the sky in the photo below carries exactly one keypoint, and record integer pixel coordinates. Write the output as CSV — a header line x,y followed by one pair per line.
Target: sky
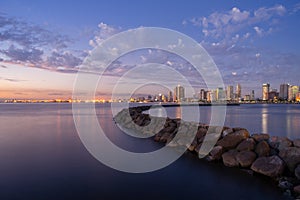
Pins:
x,y
43,43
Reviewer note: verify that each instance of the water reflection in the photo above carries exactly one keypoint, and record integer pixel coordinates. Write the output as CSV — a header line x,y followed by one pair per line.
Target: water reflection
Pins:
x,y
264,119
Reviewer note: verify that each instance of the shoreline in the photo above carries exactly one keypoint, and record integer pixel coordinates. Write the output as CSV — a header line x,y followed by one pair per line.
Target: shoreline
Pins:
x,y
275,157
229,103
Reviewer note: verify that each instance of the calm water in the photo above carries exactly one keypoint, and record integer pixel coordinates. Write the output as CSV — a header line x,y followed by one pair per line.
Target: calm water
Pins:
x,y
42,157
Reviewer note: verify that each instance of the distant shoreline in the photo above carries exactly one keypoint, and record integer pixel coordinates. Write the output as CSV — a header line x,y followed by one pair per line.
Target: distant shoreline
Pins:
x,y
158,104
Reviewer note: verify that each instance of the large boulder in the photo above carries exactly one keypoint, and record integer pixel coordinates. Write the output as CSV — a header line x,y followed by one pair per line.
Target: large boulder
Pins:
x,y
262,149
291,156
246,145
297,189
231,140
297,143
271,166
259,137
201,134
297,172
227,131
277,142
245,158
229,158
215,153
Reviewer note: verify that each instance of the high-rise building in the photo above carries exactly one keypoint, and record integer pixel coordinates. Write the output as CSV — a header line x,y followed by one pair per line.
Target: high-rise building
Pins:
x,y
298,97
238,91
213,95
284,91
179,93
293,91
252,96
203,95
247,97
273,95
170,96
265,91
208,96
220,94
229,93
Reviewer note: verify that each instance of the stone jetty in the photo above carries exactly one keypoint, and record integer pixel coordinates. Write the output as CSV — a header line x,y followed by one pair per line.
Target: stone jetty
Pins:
x,y
273,156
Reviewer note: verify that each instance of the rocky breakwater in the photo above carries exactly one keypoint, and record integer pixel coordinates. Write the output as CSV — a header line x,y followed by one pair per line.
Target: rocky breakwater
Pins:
x,y
272,156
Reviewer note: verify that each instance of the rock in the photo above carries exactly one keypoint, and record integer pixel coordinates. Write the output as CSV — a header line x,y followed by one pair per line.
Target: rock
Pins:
x,y
245,158
201,134
238,129
297,189
198,147
291,156
285,185
273,152
297,172
262,149
277,142
296,143
259,137
271,166
231,140
229,158
226,132
215,153
246,145
156,138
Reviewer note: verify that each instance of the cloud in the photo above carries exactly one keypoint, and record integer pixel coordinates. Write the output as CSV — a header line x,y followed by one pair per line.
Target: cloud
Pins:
x,y
25,43
28,35
65,60
296,8
13,80
258,30
224,26
32,55
267,13
104,31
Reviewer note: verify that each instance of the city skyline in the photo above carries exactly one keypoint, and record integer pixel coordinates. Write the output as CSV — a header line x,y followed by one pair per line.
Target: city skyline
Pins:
x,y
44,43
286,93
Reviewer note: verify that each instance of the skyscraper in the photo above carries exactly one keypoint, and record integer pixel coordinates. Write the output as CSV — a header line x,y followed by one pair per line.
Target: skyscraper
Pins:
x,y
203,95
238,91
284,91
265,91
179,93
229,93
220,94
170,96
293,91
252,96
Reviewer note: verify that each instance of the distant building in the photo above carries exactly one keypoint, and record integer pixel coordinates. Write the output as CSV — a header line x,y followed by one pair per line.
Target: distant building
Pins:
x,y
284,91
208,96
293,91
213,95
247,97
265,91
179,93
170,96
273,95
298,97
203,95
229,93
220,94
238,91
252,96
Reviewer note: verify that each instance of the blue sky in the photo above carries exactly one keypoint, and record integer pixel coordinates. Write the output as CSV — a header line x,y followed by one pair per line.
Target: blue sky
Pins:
x,y
42,43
